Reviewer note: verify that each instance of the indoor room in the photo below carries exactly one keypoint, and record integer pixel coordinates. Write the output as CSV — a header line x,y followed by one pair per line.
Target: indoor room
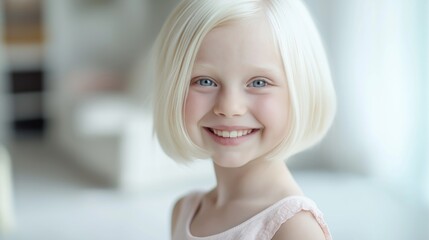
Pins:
x,y
78,158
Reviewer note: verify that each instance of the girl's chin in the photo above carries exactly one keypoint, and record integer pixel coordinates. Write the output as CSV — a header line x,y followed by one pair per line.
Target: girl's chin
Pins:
x,y
230,162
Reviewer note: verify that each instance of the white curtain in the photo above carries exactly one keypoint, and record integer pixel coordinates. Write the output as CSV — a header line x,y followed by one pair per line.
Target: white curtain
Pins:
x,y
379,59
425,81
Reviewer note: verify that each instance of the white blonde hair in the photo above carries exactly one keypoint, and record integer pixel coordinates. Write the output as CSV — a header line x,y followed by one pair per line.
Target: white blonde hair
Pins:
x,y
311,92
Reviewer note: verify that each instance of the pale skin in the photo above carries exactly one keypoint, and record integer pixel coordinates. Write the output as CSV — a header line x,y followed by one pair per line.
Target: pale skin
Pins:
x,y
238,87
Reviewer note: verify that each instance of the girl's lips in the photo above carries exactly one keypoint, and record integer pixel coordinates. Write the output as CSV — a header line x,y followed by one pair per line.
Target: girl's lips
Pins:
x,y
230,138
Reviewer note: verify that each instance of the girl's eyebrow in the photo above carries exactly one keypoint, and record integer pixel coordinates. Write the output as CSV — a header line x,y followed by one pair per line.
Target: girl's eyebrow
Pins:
x,y
270,69
258,69
204,66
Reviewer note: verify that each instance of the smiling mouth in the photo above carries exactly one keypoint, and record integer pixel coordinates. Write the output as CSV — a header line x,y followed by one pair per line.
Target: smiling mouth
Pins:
x,y
231,134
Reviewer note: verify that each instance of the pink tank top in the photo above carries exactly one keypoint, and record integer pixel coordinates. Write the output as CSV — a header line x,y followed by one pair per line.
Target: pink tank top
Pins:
x,y
261,226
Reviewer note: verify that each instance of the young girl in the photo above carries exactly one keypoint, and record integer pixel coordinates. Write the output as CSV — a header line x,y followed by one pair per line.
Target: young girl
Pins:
x,y
246,84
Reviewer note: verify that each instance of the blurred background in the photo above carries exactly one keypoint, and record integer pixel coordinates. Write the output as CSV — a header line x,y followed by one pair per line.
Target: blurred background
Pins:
x,y
78,160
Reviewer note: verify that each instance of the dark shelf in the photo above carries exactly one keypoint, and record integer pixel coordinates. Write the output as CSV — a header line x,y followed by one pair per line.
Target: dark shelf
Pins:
x,y
23,81
29,127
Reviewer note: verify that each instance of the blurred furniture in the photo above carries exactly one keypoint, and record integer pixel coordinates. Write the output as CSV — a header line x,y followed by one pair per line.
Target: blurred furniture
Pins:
x,y
89,107
113,140
6,206
110,136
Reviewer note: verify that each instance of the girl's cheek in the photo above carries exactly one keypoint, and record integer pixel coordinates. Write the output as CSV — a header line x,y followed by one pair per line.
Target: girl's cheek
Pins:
x,y
272,110
190,106
266,105
196,106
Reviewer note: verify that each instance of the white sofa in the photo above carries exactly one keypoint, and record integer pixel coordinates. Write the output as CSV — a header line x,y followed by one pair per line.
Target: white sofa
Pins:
x,y
111,138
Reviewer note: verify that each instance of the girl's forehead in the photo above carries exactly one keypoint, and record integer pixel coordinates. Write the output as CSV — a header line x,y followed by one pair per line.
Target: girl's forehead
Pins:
x,y
249,41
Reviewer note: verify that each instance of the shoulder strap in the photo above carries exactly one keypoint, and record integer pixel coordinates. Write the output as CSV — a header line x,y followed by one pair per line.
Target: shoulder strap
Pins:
x,y
290,207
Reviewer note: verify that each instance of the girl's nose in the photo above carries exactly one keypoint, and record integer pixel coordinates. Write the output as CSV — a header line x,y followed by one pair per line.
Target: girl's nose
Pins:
x,y
230,105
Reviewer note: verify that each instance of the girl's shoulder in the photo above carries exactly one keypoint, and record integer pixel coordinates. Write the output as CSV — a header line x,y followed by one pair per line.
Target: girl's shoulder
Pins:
x,y
298,217
301,226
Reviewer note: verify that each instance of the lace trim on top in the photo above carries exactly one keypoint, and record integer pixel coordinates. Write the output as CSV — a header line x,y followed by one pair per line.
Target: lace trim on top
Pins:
x,y
272,218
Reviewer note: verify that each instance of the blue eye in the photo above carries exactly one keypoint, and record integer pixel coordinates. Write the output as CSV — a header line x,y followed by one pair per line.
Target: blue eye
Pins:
x,y
258,83
206,82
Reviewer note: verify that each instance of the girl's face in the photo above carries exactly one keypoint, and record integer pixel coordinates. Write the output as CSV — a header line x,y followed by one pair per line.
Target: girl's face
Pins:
x,y
237,105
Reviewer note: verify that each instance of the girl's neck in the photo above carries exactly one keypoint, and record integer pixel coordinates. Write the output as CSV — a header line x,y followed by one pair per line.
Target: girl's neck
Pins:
x,y
259,181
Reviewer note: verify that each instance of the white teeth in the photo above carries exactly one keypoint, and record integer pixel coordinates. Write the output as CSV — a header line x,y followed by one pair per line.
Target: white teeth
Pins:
x,y
232,134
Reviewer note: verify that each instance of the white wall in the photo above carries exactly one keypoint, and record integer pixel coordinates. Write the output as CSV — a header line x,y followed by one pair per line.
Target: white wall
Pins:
x,y
100,36
425,39
378,52
84,35
418,15
342,148
96,36
375,49
110,35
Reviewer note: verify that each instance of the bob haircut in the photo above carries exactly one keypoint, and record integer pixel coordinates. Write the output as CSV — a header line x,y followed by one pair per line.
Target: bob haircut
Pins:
x,y
311,92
